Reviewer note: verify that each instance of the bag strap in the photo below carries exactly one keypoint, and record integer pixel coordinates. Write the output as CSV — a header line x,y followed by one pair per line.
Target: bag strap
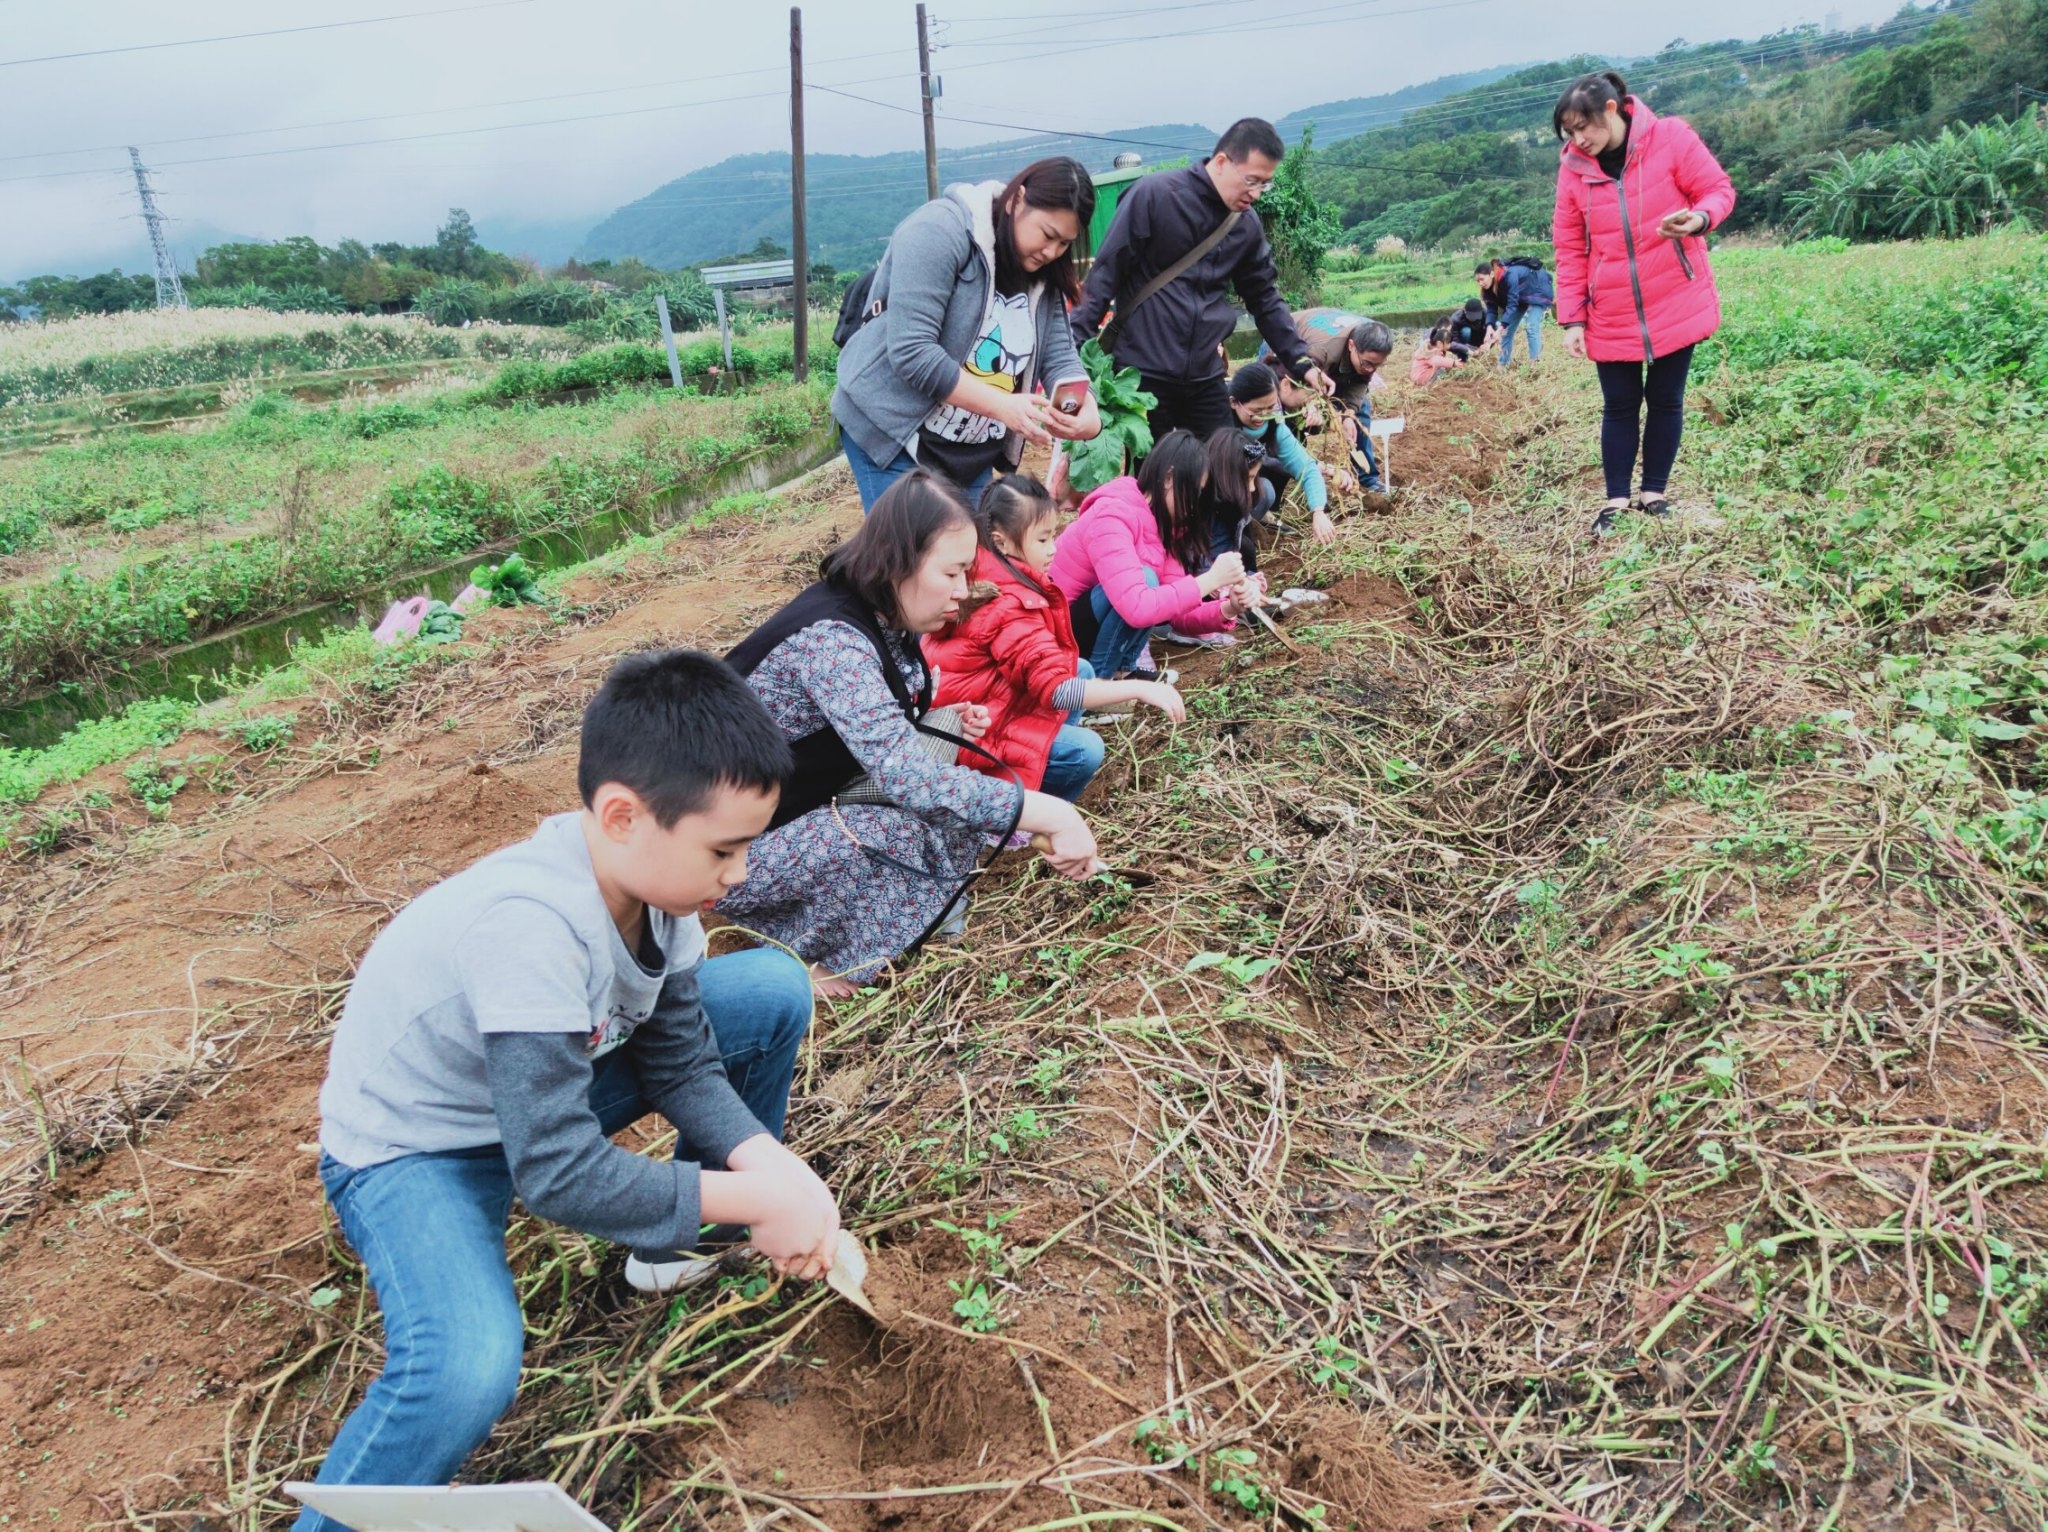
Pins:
x,y
1209,242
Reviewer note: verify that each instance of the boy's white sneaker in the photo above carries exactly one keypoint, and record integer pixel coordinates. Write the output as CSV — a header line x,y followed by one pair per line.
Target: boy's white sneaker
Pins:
x,y
670,1276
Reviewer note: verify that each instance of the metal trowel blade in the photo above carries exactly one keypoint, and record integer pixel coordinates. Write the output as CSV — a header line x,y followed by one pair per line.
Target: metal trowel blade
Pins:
x,y
849,1274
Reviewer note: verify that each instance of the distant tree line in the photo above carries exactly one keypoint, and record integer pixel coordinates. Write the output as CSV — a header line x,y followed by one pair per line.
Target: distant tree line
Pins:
x,y
454,280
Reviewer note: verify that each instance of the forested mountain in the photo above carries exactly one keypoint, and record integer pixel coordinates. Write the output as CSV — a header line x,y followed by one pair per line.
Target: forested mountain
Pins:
x,y
852,201
855,200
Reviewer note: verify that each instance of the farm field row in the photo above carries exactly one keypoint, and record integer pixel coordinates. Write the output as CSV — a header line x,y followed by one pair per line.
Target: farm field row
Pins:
x,y
129,544
1582,1057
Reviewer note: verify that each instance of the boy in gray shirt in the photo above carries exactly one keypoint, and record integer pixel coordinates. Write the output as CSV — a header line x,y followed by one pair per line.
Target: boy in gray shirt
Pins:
x,y
510,1020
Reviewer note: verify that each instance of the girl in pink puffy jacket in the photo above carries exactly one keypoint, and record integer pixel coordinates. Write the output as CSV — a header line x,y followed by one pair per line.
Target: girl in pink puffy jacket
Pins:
x,y
1636,194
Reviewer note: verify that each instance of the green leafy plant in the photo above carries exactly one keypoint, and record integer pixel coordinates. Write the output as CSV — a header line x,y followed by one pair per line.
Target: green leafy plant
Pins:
x,y
975,1308
441,625
985,1244
264,733
1334,1366
1021,1130
155,783
1246,970
508,584
1126,426
1235,1481
1156,1439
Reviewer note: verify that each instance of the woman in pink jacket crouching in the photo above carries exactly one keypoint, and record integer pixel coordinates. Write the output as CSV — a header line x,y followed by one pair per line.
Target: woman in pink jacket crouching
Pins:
x,y
1636,194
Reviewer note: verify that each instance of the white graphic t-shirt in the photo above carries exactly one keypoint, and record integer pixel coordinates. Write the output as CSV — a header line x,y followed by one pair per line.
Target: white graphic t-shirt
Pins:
x,y
957,442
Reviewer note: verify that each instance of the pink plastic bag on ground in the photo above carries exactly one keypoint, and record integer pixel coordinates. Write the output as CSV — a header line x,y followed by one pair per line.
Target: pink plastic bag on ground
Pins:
x,y
402,621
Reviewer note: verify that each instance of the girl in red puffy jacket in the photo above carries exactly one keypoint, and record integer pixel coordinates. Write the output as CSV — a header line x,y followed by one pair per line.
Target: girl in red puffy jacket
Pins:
x,y
1636,194
1016,655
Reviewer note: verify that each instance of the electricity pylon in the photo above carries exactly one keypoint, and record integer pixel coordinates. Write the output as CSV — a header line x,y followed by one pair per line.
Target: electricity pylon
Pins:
x,y
170,292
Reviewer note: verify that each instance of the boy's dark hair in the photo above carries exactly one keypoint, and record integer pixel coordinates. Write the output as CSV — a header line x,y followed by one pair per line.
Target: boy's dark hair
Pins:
x,y
1249,136
1012,505
892,542
1254,380
1473,309
1058,185
1587,97
1228,493
1178,459
674,725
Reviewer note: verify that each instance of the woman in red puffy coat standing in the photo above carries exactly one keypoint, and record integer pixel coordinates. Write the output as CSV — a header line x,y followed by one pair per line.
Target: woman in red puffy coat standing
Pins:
x,y
1636,194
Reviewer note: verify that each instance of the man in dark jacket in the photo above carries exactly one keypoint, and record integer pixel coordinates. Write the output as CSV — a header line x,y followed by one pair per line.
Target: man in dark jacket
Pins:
x,y
1175,337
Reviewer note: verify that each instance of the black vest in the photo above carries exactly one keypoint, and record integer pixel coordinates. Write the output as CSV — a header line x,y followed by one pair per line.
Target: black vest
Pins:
x,y
824,766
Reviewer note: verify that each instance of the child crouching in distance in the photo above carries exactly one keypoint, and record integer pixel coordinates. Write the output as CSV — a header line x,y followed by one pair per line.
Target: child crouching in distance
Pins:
x,y
1016,655
1436,353
1124,563
510,1020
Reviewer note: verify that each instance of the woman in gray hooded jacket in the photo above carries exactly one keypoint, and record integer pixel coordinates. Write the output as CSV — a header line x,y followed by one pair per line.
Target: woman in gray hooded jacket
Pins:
x,y
969,335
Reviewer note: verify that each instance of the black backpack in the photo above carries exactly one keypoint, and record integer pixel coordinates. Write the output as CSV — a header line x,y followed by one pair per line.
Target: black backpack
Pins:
x,y
854,309
1541,289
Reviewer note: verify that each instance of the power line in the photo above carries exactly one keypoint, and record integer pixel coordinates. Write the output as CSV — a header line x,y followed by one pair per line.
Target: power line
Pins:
x,y
232,37
1107,138
409,138
1763,52
439,111
1265,25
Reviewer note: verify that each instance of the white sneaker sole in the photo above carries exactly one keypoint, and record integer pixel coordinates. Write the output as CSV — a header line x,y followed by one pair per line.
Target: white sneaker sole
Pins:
x,y
670,1276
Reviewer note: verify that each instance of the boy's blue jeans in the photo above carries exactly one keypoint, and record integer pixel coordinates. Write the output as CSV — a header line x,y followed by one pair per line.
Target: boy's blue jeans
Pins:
x,y
1530,322
430,1229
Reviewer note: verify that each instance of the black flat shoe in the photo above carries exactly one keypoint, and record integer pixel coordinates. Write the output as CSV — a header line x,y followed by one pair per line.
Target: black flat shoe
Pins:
x,y
1603,524
1658,507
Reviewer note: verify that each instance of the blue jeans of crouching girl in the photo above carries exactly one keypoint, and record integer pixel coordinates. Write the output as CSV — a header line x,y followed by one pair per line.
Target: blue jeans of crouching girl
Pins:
x,y
1076,752
1117,643
430,1229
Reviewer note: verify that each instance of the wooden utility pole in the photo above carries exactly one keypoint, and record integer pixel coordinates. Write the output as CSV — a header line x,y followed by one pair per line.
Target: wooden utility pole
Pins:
x,y
924,90
799,248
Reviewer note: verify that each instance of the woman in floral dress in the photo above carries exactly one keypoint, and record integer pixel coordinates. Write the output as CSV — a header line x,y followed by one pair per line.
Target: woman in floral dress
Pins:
x,y
850,886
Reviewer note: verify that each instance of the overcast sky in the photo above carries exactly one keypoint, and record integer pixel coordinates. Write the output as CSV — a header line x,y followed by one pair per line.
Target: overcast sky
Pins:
x,y
390,123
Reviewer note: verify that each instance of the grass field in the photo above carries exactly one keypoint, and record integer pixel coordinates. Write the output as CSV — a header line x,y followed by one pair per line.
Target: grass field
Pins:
x,y
1581,1062
1426,281
99,354
124,543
